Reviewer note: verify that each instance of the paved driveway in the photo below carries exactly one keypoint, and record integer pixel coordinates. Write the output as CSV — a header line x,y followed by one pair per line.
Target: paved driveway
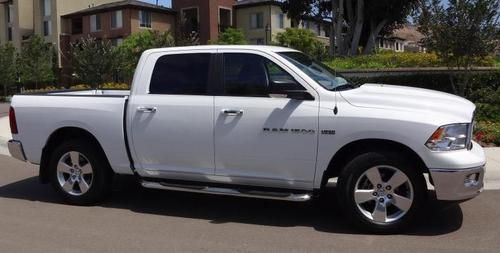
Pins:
x,y
32,219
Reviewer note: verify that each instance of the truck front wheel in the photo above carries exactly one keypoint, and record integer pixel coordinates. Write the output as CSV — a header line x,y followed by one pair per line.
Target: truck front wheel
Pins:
x,y
381,192
80,173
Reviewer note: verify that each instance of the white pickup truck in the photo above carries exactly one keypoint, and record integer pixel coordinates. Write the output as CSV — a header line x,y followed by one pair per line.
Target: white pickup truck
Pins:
x,y
255,121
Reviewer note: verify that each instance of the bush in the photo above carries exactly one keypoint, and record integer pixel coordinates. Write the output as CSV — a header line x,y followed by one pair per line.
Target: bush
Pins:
x,y
302,40
116,86
388,59
232,36
487,132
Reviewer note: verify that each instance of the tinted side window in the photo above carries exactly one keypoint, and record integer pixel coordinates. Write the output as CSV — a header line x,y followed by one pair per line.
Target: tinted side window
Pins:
x,y
181,74
252,75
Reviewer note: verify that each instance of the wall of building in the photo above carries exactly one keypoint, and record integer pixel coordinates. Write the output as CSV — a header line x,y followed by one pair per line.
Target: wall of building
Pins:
x,y
243,22
214,17
22,25
208,15
159,22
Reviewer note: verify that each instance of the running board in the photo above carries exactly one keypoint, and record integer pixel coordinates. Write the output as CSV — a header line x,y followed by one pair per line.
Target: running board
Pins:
x,y
296,197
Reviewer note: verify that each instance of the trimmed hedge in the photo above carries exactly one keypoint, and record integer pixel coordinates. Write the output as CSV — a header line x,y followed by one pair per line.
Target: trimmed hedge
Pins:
x,y
438,81
384,60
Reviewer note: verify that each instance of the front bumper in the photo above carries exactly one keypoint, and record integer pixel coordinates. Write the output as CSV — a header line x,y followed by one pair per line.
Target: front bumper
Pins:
x,y
458,184
16,150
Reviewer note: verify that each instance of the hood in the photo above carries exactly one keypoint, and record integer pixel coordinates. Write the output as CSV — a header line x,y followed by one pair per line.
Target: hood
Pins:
x,y
411,99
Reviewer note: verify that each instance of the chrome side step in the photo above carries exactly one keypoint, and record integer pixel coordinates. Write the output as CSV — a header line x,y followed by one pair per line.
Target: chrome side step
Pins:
x,y
230,192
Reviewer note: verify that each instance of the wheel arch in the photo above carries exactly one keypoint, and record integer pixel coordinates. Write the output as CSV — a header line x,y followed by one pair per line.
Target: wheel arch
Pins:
x,y
59,136
355,148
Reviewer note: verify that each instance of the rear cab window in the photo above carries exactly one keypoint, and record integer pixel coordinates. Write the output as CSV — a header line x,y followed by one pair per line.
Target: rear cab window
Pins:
x,y
181,74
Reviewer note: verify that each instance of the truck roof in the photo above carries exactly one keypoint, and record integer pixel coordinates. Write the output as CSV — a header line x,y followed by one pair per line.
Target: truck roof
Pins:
x,y
274,49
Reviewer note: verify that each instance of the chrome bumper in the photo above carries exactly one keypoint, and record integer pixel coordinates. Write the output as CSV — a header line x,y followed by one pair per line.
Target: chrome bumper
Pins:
x,y
16,150
458,184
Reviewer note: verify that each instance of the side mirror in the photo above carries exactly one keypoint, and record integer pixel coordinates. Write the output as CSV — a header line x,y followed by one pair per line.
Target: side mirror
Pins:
x,y
287,88
299,95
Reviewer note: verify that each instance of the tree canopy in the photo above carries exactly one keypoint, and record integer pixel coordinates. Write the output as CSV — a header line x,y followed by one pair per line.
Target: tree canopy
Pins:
x,y
36,61
129,52
8,63
356,23
462,33
93,61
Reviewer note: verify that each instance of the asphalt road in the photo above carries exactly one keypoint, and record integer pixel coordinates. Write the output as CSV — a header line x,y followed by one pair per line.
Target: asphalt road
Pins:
x,y
32,219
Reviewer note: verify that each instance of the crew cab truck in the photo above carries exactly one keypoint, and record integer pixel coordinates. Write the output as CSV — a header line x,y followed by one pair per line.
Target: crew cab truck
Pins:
x,y
254,121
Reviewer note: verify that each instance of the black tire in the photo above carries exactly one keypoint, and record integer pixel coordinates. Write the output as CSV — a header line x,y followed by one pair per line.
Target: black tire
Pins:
x,y
358,214
99,181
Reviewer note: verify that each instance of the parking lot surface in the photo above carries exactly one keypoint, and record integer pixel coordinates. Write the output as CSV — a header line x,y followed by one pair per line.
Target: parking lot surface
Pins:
x,y
32,219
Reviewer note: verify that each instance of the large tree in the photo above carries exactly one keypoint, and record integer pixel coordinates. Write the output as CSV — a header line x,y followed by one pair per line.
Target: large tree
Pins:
x,y
133,46
8,66
355,23
462,33
93,61
36,61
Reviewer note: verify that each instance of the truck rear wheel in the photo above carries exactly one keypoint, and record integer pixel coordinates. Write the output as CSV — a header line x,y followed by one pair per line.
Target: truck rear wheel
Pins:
x,y
381,192
80,173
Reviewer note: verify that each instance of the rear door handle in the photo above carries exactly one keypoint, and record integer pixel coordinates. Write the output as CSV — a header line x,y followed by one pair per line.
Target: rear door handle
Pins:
x,y
230,112
145,109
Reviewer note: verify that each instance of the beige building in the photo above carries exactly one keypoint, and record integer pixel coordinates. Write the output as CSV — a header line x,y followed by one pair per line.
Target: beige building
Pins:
x,y
19,19
16,21
262,20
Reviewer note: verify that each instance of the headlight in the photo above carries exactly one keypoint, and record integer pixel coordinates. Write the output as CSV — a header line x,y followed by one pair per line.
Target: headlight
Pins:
x,y
449,137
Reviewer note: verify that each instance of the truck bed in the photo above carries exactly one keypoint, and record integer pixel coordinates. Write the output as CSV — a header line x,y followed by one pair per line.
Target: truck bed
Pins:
x,y
99,112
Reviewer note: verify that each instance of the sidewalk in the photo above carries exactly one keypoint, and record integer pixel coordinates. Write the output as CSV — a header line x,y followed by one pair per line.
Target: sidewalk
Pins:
x,y
492,178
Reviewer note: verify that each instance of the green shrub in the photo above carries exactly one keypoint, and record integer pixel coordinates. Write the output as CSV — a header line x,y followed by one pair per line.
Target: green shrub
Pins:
x,y
388,59
487,132
232,36
303,40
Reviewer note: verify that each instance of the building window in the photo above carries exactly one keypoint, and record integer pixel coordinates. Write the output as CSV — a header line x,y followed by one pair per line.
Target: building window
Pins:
x,y
95,23
46,8
397,46
281,20
47,28
116,19
145,19
190,20
9,34
256,20
10,13
76,26
225,19
46,18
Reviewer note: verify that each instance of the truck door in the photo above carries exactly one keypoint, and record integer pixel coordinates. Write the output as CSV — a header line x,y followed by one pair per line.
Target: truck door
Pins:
x,y
260,139
171,116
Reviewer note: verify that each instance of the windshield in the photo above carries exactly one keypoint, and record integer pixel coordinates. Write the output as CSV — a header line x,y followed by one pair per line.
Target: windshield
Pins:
x,y
318,71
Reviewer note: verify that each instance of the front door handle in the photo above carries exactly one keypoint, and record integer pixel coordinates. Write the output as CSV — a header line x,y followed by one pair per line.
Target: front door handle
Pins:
x,y
230,112
145,109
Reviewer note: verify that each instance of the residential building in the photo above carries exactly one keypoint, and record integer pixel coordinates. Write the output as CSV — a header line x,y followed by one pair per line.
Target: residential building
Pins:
x,y
16,21
262,20
204,19
112,21
404,39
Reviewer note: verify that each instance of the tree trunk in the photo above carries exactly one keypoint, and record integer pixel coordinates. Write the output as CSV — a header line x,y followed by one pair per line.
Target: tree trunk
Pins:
x,y
358,27
374,32
5,90
350,24
339,24
333,32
